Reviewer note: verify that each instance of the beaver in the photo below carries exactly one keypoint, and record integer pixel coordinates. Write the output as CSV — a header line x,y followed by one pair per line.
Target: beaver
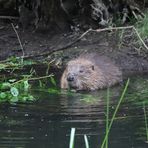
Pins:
x,y
90,72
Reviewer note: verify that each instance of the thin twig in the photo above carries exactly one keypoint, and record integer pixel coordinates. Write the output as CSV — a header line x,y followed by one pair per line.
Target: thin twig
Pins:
x,y
23,54
2,27
140,38
113,28
31,79
9,17
43,77
120,28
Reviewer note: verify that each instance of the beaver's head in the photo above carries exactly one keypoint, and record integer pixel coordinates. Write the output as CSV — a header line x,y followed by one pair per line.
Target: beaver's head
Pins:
x,y
79,73
90,73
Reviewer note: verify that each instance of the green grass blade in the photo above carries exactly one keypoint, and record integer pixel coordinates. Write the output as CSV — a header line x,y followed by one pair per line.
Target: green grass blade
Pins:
x,y
115,112
86,141
107,115
72,137
146,123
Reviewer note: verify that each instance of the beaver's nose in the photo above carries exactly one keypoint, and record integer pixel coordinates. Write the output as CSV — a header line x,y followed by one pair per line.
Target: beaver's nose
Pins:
x,y
70,78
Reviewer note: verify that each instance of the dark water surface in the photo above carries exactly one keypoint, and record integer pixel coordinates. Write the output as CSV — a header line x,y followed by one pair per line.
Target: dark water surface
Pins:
x,y
47,122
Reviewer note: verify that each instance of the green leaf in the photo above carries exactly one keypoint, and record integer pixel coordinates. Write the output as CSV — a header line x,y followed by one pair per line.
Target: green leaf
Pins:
x,y
5,85
28,98
3,66
28,62
24,98
53,81
26,85
40,83
14,99
31,98
53,91
14,91
3,95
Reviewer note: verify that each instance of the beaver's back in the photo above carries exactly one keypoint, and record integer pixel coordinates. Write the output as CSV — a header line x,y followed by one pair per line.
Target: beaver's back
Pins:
x,y
111,71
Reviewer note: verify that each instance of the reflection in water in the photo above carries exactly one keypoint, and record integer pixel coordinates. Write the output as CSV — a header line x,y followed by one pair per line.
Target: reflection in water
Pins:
x,y
47,122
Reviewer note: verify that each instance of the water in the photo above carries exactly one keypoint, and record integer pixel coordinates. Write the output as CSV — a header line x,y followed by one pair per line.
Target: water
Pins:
x,y
47,122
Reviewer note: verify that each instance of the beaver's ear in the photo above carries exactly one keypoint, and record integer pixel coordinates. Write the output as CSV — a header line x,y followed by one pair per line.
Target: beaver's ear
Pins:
x,y
93,67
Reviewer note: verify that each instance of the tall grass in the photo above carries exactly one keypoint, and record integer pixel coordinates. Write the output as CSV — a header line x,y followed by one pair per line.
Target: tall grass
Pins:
x,y
114,114
86,141
108,125
107,114
72,137
141,26
146,122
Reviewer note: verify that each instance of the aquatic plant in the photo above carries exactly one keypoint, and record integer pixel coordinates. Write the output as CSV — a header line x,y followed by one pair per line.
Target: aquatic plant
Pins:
x,y
17,88
86,141
146,122
13,63
72,137
107,115
108,125
114,114
13,90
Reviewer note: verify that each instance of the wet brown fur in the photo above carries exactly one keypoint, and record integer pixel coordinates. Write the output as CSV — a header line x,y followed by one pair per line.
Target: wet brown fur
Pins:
x,y
91,72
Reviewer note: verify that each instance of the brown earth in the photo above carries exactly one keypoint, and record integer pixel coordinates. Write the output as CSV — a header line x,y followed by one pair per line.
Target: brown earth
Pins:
x,y
123,46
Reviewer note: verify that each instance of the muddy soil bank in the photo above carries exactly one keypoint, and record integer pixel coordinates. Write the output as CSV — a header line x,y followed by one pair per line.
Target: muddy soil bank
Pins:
x,y
122,46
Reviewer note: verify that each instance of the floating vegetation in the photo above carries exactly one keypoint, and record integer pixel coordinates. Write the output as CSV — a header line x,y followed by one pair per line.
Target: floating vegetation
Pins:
x,y
13,90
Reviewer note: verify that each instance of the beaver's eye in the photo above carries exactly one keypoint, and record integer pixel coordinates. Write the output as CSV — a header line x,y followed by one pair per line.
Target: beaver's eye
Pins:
x,y
93,68
81,71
